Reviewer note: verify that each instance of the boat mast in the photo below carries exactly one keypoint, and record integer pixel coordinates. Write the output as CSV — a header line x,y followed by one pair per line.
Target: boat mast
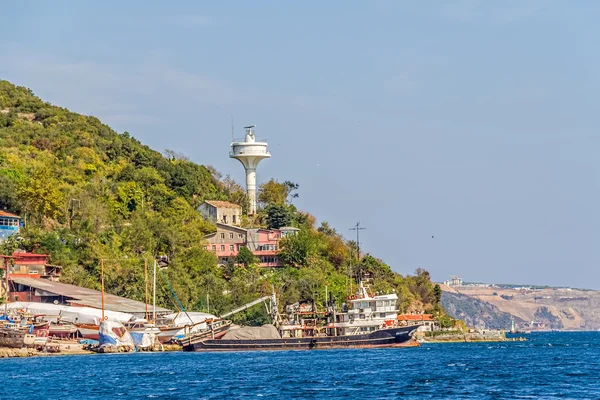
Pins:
x,y
146,283
6,279
102,279
154,294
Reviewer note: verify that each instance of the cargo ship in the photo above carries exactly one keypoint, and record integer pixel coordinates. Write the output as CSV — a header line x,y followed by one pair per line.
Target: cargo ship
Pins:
x,y
366,320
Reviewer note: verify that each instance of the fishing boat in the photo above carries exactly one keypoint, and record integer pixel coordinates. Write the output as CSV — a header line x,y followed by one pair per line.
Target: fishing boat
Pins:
x,y
365,321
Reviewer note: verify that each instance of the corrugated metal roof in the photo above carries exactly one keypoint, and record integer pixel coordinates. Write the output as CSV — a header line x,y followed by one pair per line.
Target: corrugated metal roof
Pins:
x,y
87,297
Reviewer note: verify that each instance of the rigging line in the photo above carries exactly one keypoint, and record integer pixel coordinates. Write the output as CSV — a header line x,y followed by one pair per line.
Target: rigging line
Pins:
x,y
171,301
175,295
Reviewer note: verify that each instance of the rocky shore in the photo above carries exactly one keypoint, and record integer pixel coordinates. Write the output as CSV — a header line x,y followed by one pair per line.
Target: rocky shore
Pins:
x,y
461,337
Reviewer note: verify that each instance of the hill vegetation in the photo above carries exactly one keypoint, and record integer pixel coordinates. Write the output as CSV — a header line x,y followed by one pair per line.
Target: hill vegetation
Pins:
x,y
88,193
477,313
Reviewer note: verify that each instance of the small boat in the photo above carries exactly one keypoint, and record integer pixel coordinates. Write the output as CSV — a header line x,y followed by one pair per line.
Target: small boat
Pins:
x,y
113,337
13,337
215,329
88,331
62,329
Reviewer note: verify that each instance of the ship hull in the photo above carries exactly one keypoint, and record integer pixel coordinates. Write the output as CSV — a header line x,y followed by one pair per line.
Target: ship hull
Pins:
x,y
393,337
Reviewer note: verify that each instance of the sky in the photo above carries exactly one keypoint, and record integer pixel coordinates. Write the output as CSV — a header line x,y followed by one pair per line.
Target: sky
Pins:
x,y
463,135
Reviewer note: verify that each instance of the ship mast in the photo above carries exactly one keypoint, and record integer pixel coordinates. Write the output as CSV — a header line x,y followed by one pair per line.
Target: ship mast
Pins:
x,y
357,228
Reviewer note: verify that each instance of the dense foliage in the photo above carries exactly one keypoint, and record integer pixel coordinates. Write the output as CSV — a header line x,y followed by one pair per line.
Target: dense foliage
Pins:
x,y
90,194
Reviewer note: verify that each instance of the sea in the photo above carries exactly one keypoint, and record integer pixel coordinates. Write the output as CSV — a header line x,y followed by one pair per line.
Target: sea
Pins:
x,y
557,365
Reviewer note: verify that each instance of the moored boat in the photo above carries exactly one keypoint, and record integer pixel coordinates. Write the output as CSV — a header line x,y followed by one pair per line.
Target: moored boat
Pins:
x,y
62,330
215,329
365,321
390,337
88,331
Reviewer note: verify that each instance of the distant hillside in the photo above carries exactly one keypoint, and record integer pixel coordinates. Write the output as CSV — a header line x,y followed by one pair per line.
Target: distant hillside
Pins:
x,y
474,312
89,193
537,307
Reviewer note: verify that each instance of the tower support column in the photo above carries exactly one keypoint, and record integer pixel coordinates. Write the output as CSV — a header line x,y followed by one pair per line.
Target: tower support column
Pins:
x,y
251,188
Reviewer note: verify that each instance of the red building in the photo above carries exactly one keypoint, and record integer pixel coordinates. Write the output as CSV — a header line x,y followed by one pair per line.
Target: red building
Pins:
x,y
30,265
227,241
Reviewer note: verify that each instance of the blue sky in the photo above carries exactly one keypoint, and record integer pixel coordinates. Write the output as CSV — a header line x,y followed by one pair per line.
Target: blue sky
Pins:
x,y
474,122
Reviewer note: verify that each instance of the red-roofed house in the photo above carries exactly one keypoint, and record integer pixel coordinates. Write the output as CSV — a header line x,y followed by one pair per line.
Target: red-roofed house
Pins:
x,y
427,321
30,265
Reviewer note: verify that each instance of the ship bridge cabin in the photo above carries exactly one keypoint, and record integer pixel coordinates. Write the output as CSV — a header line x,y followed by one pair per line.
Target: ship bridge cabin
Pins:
x,y
365,312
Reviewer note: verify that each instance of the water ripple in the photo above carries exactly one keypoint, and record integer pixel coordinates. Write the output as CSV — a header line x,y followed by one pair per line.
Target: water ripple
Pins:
x,y
548,366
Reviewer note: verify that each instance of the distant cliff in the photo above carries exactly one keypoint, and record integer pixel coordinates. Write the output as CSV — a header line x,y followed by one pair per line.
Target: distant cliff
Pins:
x,y
476,313
533,308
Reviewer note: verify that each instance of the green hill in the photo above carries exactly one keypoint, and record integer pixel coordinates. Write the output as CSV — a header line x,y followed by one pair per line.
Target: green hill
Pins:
x,y
89,193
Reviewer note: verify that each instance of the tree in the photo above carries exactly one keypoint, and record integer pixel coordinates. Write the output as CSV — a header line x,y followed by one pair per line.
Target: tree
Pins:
x,y
297,249
445,322
278,216
245,257
437,293
274,192
40,195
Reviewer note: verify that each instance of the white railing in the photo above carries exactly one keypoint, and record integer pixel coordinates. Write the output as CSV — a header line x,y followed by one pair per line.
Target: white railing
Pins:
x,y
243,140
250,152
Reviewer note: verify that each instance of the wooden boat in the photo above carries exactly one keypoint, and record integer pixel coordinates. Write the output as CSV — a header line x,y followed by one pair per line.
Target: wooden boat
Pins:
x,y
88,331
17,336
62,330
215,330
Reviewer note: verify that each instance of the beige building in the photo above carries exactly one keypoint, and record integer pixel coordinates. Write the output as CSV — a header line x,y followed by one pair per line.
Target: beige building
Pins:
x,y
222,212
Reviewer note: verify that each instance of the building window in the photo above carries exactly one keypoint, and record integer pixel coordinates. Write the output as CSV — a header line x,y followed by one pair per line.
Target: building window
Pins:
x,y
231,247
205,247
231,235
214,248
382,315
224,219
241,235
222,235
233,219
222,247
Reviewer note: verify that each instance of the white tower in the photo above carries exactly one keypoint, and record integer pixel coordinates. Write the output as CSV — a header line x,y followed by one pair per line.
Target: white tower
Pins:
x,y
250,152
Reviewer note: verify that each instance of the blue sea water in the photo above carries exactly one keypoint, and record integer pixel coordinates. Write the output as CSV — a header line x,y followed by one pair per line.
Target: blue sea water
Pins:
x,y
547,366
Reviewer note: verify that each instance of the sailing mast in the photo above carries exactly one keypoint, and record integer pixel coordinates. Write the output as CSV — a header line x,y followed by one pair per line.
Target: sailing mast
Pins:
x,y
6,282
146,282
154,294
102,279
